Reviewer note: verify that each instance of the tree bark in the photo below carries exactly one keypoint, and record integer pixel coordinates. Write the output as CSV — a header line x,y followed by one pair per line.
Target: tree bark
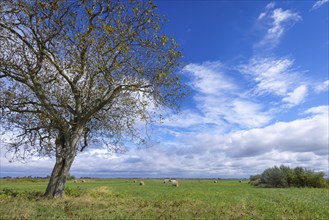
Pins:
x,y
56,185
66,147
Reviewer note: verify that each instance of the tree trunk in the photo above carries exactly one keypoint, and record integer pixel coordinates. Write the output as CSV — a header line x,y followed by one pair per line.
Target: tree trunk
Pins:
x,y
66,147
57,180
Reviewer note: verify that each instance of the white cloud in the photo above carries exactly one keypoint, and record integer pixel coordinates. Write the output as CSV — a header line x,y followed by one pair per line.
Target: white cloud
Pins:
x,y
277,21
271,75
319,4
318,110
208,78
185,119
262,16
297,96
270,5
322,87
268,8
301,135
220,101
34,166
235,111
275,76
302,142
280,17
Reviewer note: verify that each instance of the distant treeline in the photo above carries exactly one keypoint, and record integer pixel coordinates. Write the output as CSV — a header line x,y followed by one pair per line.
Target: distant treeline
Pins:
x,y
285,176
69,177
26,177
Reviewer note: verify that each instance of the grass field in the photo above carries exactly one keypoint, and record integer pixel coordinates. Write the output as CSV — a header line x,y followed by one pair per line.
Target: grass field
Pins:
x,y
194,199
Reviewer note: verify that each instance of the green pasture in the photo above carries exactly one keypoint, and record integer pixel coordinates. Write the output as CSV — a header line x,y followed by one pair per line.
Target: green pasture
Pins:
x,y
193,199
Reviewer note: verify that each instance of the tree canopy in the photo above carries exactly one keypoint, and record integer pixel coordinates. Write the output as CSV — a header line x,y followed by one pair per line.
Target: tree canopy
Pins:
x,y
73,71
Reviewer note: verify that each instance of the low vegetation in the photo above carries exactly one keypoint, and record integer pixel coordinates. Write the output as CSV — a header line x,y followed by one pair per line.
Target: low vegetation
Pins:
x,y
285,176
193,199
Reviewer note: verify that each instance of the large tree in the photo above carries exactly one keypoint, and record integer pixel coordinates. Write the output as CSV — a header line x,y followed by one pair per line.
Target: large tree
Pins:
x,y
74,71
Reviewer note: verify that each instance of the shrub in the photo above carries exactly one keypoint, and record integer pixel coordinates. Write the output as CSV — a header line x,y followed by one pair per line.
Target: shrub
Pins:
x,y
299,177
254,177
274,177
284,176
255,182
315,179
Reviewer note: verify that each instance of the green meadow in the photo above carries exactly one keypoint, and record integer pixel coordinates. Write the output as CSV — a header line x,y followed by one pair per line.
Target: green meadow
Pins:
x,y
193,199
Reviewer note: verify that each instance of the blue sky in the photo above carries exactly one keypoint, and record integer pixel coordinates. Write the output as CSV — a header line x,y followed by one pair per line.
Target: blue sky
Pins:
x,y
258,74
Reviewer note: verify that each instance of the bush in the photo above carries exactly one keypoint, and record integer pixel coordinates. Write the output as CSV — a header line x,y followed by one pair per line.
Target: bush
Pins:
x,y
314,179
254,177
284,176
255,182
299,177
274,177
